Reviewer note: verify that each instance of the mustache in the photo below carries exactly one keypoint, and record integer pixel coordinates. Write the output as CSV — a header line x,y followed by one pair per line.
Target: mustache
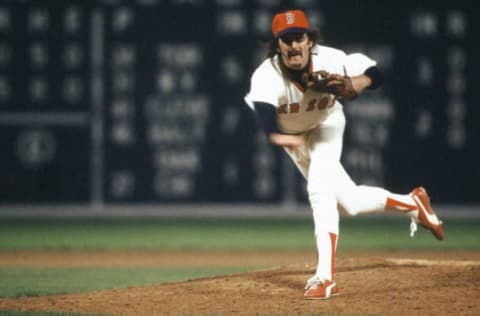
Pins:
x,y
292,53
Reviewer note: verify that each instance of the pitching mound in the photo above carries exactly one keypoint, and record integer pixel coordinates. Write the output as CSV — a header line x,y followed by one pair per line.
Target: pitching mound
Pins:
x,y
375,286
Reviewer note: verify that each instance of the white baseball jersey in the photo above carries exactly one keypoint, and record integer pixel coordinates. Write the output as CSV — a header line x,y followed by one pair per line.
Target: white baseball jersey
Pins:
x,y
299,110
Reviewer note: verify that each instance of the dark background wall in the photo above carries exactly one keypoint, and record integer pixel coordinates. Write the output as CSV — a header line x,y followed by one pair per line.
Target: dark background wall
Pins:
x,y
142,101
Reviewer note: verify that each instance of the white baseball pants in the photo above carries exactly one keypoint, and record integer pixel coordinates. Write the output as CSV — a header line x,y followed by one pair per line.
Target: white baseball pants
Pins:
x,y
330,188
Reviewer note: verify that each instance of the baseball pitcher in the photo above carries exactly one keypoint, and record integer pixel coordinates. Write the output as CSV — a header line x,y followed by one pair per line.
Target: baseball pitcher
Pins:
x,y
296,93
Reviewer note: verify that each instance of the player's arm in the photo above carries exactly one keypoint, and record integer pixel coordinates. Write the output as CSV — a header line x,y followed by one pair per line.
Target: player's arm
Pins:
x,y
372,78
267,118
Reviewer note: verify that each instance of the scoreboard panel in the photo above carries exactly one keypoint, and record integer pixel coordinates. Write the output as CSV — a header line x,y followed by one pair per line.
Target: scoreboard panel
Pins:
x,y
142,101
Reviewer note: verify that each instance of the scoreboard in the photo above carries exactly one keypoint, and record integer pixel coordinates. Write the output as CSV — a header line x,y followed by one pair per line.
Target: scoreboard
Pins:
x,y
112,101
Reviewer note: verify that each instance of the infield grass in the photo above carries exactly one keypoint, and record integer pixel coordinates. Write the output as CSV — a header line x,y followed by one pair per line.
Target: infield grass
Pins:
x,y
22,282
154,234
361,233
225,234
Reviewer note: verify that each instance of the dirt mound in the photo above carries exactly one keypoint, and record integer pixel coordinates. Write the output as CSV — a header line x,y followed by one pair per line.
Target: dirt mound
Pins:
x,y
373,286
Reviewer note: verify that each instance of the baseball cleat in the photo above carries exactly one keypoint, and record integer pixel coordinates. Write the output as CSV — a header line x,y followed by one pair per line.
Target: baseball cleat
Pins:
x,y
320,290
426,216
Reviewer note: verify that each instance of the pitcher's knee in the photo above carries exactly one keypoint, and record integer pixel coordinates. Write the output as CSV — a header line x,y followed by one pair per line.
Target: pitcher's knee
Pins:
x,y
322,199
349,210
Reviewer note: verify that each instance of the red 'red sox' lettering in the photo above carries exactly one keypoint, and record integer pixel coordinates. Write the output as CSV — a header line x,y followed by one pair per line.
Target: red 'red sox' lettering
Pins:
x,y
314,104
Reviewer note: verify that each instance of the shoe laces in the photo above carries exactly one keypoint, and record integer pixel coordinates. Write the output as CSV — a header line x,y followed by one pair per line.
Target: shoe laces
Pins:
x,y
413,227
314,281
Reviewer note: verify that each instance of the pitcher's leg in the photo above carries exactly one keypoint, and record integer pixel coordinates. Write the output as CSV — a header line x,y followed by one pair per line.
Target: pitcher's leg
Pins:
x,y
364,199
326,249
325,145
353,200
326,220
361,199
322,284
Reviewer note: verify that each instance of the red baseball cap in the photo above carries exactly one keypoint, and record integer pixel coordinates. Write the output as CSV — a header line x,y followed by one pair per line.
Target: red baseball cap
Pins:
x,y
292,21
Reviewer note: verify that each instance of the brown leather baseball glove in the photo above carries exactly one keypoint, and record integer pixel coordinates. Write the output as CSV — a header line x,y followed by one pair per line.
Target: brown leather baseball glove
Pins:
x,y
338,85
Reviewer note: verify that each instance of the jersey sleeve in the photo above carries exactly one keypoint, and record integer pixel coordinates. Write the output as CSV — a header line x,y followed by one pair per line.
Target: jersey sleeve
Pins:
x,y
356,64
336,61
265,87
266,117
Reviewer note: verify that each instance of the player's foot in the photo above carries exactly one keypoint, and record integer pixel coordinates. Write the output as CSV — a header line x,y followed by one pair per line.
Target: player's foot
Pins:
x,y
320,289
426,216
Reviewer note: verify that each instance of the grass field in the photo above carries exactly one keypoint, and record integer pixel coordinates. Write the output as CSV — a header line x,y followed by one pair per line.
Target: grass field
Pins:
x,y
224,233
237,234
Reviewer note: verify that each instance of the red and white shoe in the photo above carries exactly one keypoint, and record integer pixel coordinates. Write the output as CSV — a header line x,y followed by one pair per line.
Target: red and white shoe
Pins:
x,y
317,289
426,216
